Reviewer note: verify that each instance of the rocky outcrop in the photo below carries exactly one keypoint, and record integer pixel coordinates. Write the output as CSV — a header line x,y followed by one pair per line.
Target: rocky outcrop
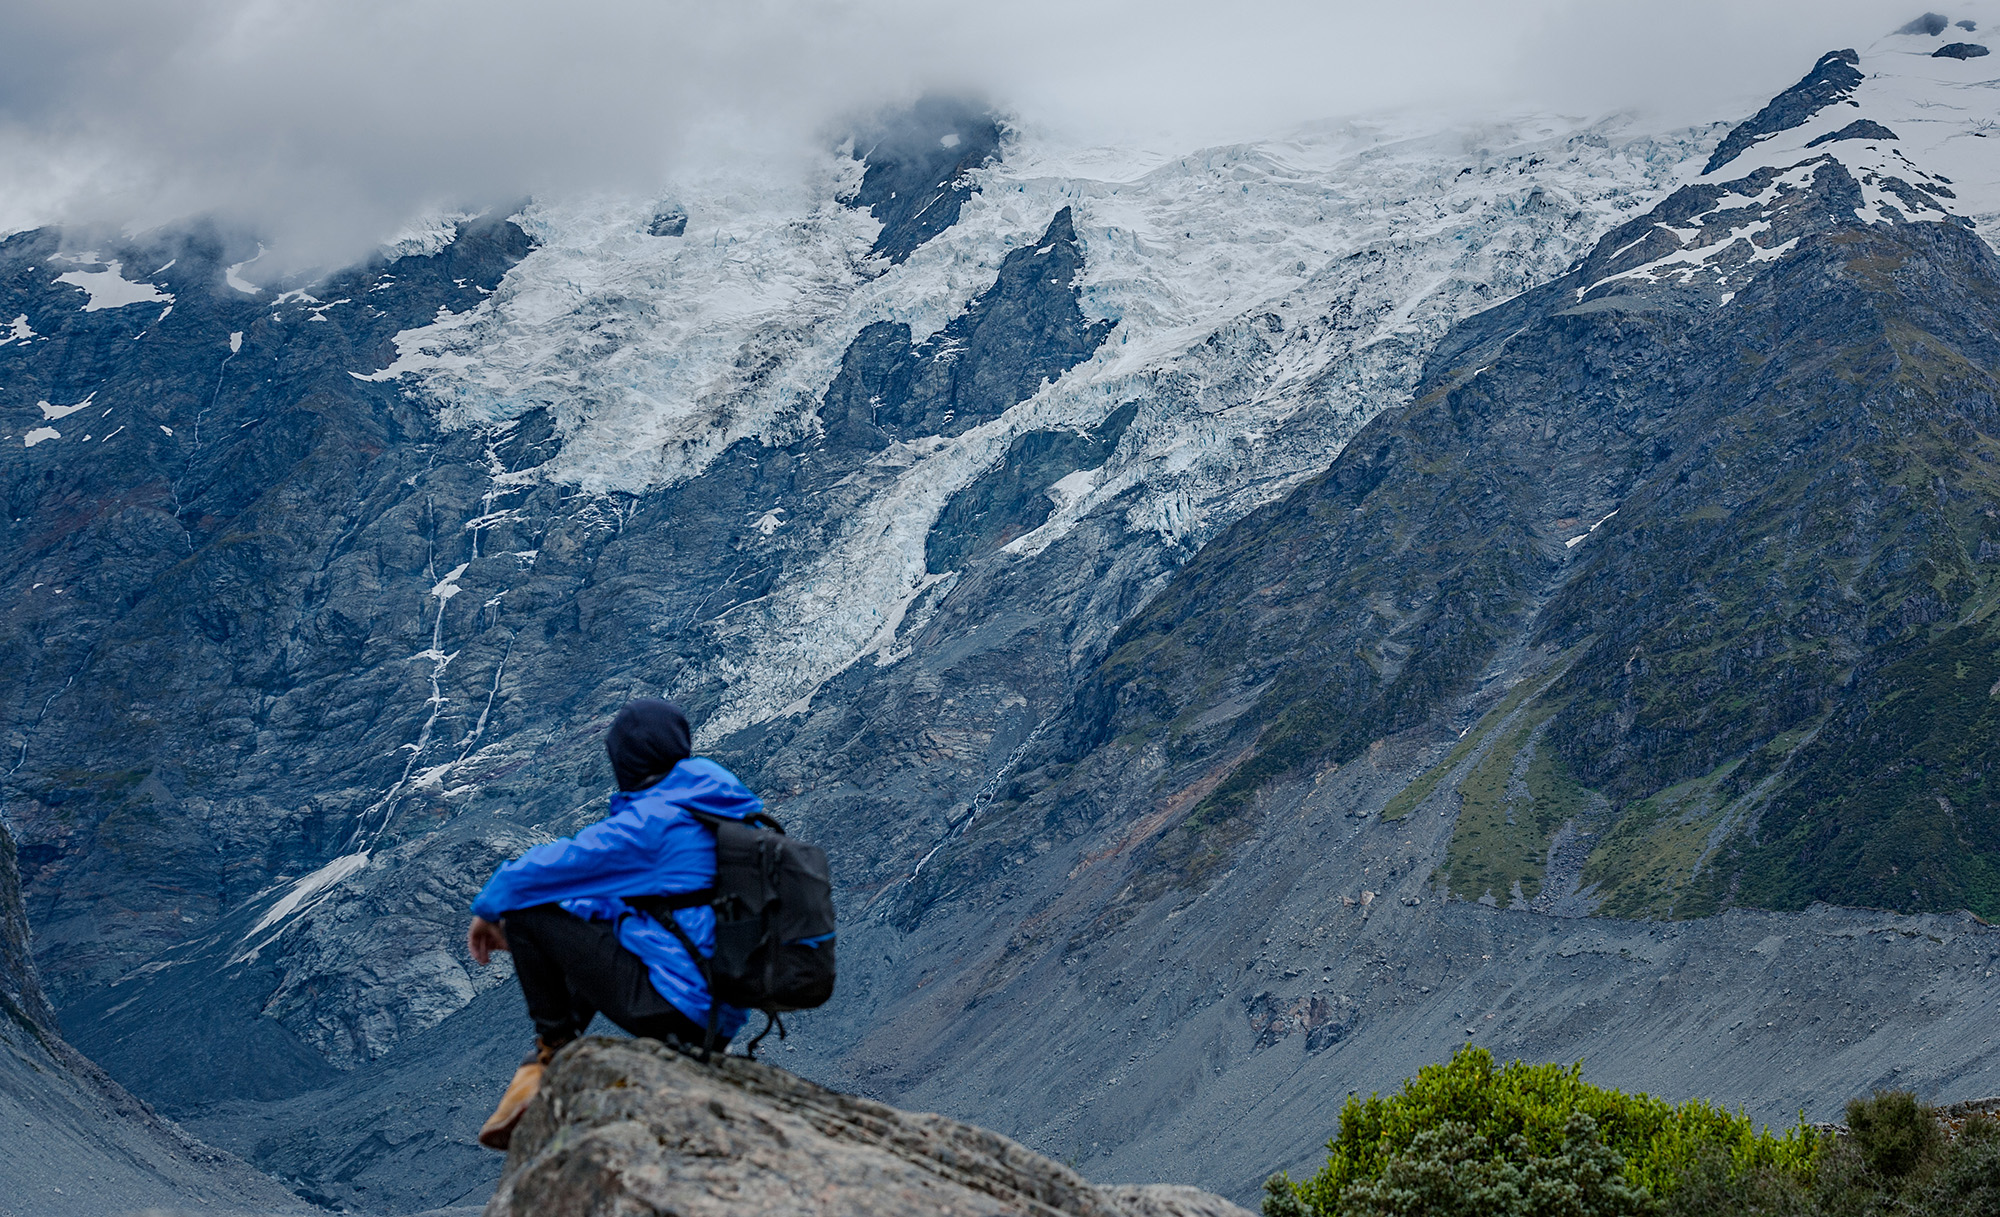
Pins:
x,y
1829,82
632,1126
919,169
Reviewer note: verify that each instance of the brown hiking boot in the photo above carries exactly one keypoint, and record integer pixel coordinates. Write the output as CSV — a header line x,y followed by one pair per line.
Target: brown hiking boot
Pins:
x,y
498,1131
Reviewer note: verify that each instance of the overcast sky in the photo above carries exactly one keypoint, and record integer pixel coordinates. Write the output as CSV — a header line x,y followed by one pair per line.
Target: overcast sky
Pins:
x,y
326,124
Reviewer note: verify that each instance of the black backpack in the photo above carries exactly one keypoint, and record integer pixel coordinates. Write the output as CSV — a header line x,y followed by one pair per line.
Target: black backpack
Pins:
x,y
774,936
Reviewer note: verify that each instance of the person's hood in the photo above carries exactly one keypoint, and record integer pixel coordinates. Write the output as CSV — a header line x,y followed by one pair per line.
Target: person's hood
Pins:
x,y
647,739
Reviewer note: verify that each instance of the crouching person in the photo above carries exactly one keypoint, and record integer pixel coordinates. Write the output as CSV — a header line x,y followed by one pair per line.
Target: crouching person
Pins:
x,y
579,950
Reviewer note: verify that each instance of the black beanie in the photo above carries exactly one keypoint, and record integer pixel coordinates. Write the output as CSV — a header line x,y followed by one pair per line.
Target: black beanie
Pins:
x,y
648,738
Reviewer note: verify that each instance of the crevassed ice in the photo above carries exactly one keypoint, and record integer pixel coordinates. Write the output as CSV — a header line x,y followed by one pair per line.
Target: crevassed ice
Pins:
x,y
654,353
427,234
1324,263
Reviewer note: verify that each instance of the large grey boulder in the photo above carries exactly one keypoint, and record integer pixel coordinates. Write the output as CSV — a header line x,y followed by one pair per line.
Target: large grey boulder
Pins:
x,y
630,1127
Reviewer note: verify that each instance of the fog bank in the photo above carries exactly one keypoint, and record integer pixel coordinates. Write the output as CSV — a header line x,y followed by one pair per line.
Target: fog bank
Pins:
x,y
325,127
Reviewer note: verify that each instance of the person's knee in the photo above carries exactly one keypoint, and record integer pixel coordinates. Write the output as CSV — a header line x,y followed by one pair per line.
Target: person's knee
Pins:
x,y
537,924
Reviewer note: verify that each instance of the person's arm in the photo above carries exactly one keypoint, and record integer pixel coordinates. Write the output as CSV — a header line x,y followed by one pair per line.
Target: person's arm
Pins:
x,y
618,856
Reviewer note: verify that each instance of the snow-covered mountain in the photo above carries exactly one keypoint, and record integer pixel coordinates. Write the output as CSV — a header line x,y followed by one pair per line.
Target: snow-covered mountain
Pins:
x,y
1325,262
322,596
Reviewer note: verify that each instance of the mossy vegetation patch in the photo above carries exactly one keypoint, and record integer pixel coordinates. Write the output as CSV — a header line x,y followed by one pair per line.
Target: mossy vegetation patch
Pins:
x,y
1408,798
1646,862
1499,846
1897,806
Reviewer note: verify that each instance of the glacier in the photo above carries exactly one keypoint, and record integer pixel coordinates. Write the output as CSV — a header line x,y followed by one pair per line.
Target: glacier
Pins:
x,y
1269,298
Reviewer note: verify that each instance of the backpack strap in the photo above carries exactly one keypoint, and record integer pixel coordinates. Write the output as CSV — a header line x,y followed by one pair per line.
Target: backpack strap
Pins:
x,y
701,964
770,1019
662,907
756,819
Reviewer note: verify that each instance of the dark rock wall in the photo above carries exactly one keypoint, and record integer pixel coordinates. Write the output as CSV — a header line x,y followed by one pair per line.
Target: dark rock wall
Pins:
x,y
1013,338
919,163
197,564
1829,82
20,992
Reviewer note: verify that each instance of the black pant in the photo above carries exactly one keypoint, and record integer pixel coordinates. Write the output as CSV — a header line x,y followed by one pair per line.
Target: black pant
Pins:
x,y
572,969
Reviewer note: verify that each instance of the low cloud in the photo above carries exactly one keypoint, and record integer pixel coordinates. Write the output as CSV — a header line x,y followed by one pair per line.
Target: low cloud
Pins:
x,y
324,127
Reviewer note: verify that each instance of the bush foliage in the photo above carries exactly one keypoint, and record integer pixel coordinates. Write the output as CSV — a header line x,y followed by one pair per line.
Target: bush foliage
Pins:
x,y
1471,1139
1893,1133
1526,1115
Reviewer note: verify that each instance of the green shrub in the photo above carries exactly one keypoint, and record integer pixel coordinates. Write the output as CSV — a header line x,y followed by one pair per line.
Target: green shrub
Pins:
x,y
1713,1186
1524,1112
1967,1183
1957,1177
1452,1171
1894,1133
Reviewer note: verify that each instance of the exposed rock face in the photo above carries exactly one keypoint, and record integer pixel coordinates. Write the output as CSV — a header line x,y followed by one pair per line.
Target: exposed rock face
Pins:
x,y
1860,128
919,163
1565,514
1830,81
631,1126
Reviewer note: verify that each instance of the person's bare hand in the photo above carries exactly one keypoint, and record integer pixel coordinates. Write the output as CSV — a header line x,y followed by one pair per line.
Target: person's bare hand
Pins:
x,y
484,938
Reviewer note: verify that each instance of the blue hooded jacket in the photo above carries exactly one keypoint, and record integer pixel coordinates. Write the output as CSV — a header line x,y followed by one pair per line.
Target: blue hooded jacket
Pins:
x,y
648,845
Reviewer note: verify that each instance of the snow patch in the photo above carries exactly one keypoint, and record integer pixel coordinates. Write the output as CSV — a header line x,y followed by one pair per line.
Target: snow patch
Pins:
x,y
1946,116
1075,487
51,413
39,434
18,331
111,289
235,280
448,587
1583,536
307,888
